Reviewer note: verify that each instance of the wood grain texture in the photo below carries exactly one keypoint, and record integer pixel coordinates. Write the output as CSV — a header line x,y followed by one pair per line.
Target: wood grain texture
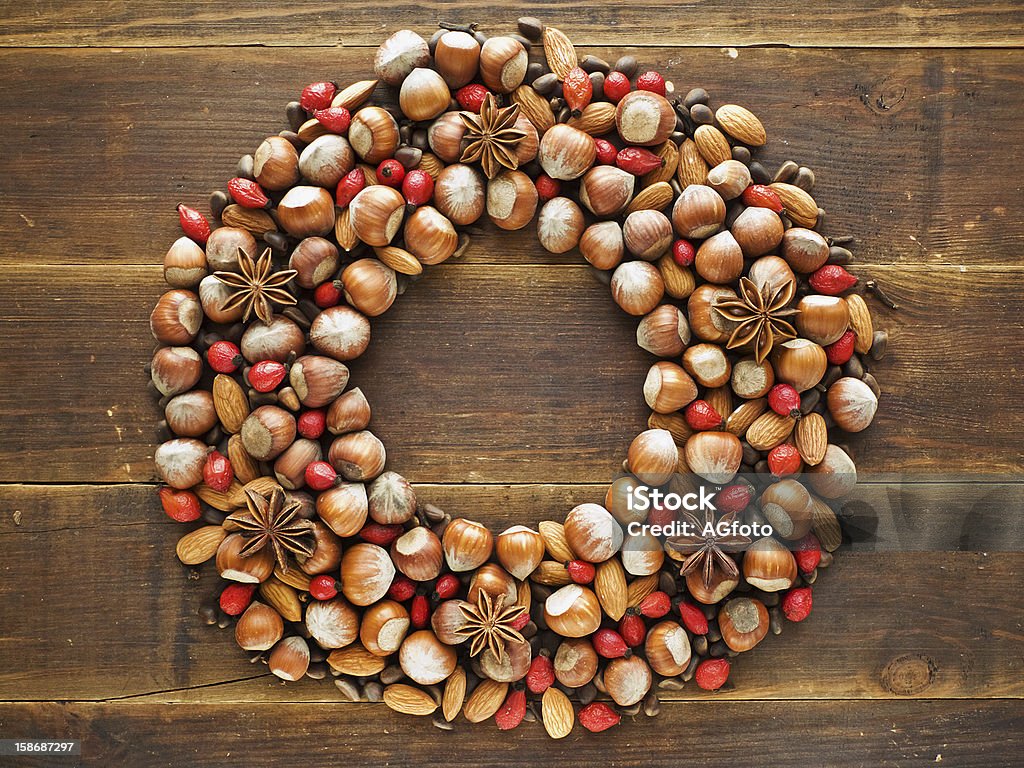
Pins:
x,y
931,23
508,382
718,734
912,149
125,626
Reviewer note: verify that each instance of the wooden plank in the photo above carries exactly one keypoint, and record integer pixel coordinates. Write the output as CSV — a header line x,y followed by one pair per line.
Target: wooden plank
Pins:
x,y
95,605
910,147
933,23
894,733
493,374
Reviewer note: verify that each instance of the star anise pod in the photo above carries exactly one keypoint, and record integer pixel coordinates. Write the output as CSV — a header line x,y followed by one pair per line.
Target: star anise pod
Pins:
x,y
269,522
759,314
492,137
489,624
705,548
257,288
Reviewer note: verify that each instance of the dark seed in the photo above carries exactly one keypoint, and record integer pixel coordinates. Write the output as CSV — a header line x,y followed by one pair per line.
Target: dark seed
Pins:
x,y
804,179
879,343
297,316
732,213
594,64
872,383
718,649
808,400
750,454
409,157
758,173
316,671
826,559
819,223
533,71
440,722
714,634
700,645
786,172
293,137
603,276
691,668
770,599
694,97
671,684
295,115
597,83
627,65
530,27
586,693
219,200
208,615
309,309
701,114
391,674
545,85
419,139
854,367
529,717
667,583
631,711
811,577
742,154
832,375
839,255
651,705
348,688
480,37
244,169
432,42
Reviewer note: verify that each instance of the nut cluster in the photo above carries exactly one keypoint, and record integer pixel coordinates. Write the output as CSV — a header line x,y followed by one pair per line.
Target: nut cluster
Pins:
x,y
329,563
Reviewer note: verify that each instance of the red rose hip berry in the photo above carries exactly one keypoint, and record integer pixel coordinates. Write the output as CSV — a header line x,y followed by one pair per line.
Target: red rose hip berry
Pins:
x,y
683,253
839,352
236,598
402,588
266,375
606,152
447,586
180,506
807,553
609,644
831,280
311,424
320,475
761,196
784,460
638,161
796,605
693,618
217,471
334,119
655,605
547,188
598,716
351,184
512,712
391,173
471,97
651,81
417,187
193,224
784,400
224,357
633,629
702,416
317,96
323,587
616,86
328,294
711,674
248,193
580,571
541,675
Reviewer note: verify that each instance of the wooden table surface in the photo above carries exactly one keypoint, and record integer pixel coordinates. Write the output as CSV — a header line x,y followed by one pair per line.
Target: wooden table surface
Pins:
x,y
506,384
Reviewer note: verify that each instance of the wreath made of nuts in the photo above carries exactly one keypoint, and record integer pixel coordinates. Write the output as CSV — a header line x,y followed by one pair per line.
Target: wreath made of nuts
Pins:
x,y
330,565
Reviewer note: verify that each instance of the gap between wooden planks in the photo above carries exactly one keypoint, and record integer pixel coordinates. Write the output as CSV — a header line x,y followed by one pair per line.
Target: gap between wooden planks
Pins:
x,y
931,23
910,147
118,617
